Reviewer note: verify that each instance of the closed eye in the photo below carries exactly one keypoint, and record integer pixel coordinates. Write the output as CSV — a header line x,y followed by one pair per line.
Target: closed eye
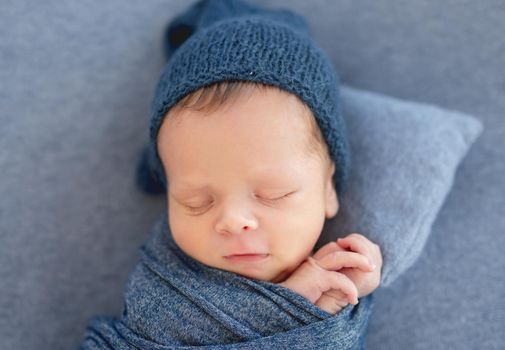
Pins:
x,y
277,200
195,209
198,209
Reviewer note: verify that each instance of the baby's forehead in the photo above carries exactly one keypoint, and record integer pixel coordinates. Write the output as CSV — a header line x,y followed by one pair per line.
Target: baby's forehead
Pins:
x,y
266,122
275,107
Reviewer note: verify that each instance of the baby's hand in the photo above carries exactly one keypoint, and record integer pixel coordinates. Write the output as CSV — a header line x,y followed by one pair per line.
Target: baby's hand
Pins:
x,y
314,277
366,282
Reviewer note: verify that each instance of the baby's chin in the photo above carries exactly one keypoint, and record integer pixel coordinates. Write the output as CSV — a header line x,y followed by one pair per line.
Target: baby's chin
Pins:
x,y
264,273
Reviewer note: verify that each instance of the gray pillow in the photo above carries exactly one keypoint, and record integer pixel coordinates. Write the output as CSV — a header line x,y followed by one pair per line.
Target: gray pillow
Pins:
x,y
404,158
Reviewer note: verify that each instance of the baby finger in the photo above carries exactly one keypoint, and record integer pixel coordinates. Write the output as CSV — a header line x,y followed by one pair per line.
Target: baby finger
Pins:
x,y
342,282
339,259
330,304
327,248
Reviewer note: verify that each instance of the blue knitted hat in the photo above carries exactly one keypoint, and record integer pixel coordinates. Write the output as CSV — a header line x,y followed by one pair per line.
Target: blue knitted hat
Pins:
x,y
216,40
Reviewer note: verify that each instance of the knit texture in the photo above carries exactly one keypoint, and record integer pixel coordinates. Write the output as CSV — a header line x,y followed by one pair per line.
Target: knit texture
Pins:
x,y
217,40
173,301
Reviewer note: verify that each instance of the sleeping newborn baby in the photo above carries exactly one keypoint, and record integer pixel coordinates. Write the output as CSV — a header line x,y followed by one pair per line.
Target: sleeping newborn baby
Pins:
x,y
249,145
250,184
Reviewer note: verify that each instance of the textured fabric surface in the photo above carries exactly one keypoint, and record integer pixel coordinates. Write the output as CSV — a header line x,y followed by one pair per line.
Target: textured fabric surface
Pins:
x,y
76,83
173,301
234,40
406,156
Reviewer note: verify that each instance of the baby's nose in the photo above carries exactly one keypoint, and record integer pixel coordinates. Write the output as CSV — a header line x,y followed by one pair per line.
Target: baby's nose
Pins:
x,y
238,228
236,221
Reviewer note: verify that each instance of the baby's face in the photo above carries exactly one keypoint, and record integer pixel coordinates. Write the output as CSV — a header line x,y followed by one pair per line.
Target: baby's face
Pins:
x,y
228,173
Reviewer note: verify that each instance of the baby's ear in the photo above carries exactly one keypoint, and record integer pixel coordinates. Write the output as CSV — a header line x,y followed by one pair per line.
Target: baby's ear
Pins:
x,y
331,198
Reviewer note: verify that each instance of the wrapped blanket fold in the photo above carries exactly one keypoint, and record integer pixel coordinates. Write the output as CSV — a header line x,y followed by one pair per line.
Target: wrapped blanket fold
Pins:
x,y
172,301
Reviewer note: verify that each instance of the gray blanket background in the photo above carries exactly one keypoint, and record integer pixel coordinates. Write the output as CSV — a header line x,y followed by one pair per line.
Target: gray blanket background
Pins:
x,y
76,79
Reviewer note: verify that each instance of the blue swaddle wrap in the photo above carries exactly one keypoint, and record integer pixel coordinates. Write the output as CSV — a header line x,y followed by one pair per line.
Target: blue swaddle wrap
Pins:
x,y
173,301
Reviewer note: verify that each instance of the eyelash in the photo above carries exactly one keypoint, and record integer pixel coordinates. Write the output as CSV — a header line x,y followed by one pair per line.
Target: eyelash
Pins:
x,y
277,200
274,201
194,210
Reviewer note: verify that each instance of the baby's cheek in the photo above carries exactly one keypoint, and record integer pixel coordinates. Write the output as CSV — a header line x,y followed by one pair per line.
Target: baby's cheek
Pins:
x,y
297,250
286,264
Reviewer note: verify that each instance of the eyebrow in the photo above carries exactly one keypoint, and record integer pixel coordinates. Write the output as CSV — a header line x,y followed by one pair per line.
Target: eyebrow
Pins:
x,y
186,187
265,175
